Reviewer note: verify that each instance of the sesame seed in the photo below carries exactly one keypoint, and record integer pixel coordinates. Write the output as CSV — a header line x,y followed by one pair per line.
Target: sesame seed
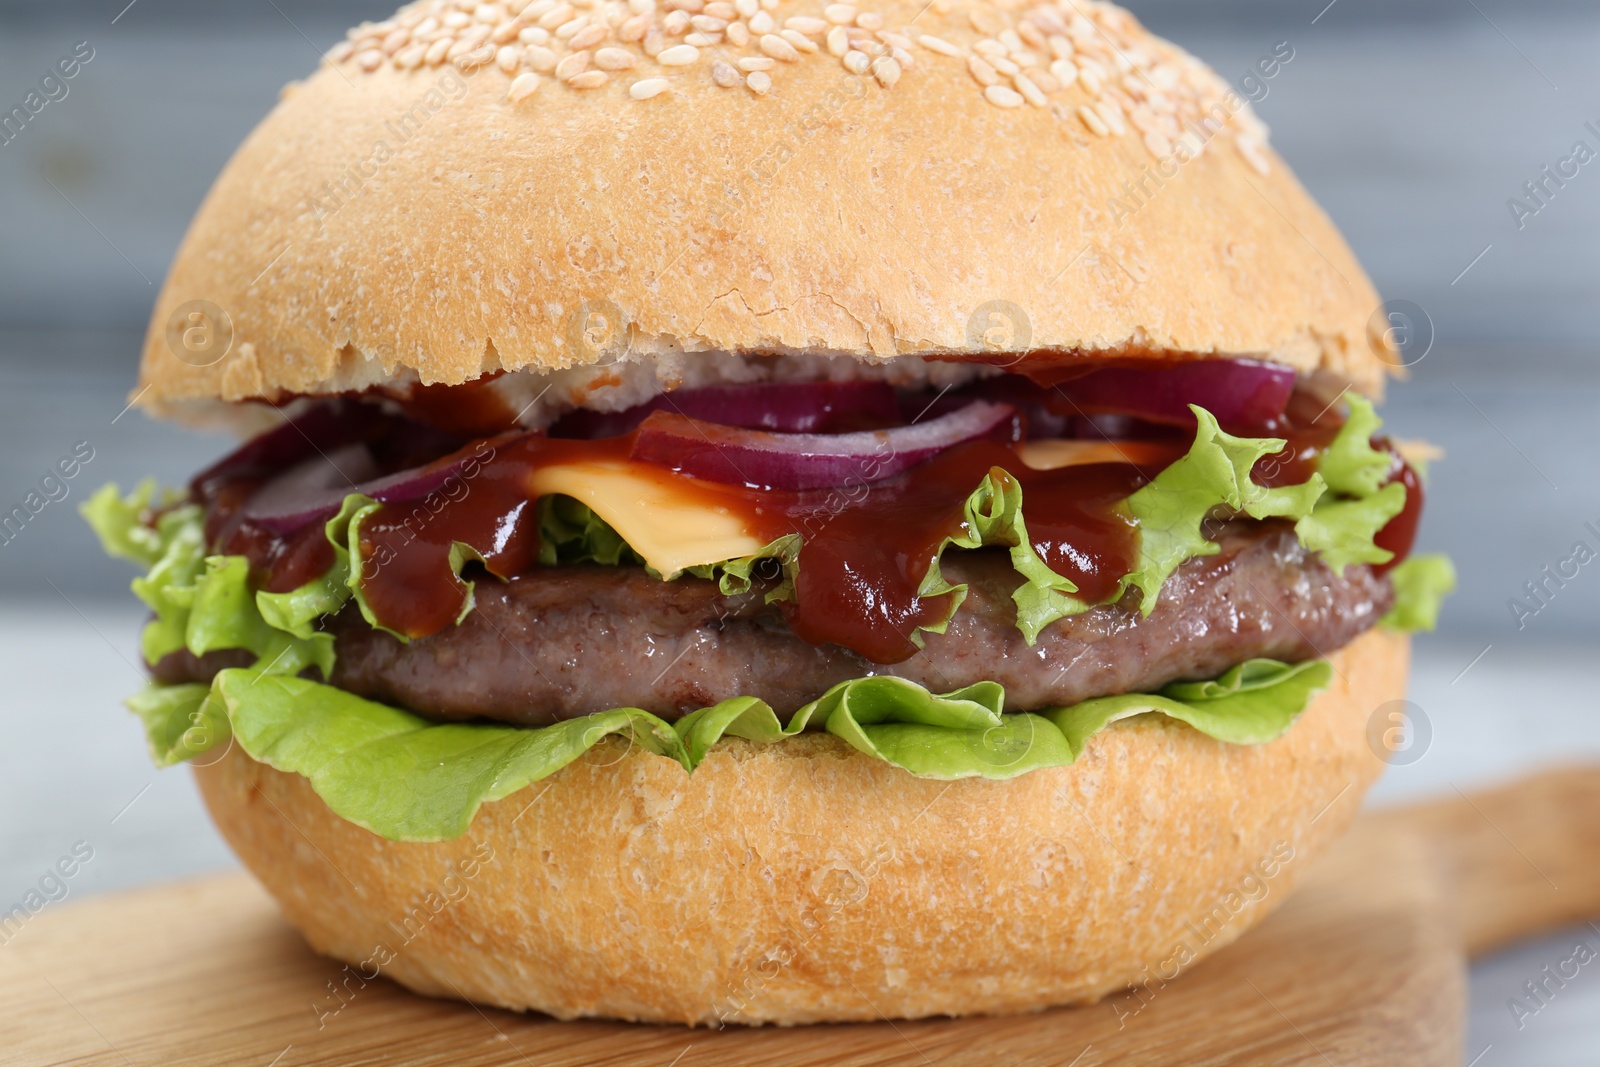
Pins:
x,y
769,5
799,40
738,34
746,8
1094,122
341,51
778,48
989,47
1250,149
870,20
1108,110
703,40
938,44
633,29
396,41
615,59
759,82
840,14
708,24
539,58
642,7
1000,96
654,44
1030,33
886,70
589,79
523,86
982,71
1009,38
762,23
723,10
645,88
1045,81
1060,46
457,19
749,63
1003,65
589,37
902,57
676,24
1030,92
410,58
371,59
679,55
1064,72
985,20
857,62
838,41
508,59
811,27
571,66
533,35
436,51
724,75
556,16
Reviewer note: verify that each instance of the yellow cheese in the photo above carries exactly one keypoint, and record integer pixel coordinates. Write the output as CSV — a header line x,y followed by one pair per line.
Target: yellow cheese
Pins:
x,y
1052,455
671,530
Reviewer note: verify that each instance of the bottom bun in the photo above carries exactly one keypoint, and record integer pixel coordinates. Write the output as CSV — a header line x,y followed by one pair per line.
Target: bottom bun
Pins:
x,y
805,882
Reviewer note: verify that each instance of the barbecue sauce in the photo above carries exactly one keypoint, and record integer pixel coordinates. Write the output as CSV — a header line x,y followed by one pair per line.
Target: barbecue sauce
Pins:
x,y
866,549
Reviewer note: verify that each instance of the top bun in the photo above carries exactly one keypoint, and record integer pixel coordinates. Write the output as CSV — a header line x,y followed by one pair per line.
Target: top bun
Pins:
x,y
436,203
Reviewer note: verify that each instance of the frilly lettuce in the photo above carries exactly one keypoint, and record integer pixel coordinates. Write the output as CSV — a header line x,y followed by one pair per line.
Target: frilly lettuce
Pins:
x,y
1215,473
409,779
1420,585
1344,523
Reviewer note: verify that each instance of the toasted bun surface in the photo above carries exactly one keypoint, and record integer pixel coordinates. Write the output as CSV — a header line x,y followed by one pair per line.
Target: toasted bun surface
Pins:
x,y
804,882
413,221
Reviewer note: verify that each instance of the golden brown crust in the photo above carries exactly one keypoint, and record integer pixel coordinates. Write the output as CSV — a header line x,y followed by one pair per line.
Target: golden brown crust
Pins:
x,y
833,214
803,882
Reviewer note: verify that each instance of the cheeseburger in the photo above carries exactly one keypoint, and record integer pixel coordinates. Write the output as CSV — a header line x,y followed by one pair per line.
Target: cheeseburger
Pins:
x,y
764,512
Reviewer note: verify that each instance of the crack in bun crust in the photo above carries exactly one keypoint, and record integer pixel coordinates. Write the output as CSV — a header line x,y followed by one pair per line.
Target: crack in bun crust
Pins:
x,y
803,882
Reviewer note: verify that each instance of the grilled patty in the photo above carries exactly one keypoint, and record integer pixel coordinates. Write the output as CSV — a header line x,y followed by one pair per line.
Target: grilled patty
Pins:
x,y
563,642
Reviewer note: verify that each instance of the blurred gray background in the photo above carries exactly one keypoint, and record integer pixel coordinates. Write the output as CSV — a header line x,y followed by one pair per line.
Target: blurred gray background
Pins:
x,y
1412,121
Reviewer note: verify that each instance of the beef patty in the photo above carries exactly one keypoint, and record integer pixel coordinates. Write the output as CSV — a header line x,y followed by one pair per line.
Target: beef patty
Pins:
x,y
563,642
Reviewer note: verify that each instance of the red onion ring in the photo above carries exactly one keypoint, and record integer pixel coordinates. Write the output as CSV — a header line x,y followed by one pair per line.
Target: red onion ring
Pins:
x,y
809,461
313,491
1244,395
778,407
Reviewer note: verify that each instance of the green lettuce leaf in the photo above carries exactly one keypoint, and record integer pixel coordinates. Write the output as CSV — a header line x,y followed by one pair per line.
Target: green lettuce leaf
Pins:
x,y
200,603
1215,473
408,779
1351,466
1420,585
570,532
992,516
1343,525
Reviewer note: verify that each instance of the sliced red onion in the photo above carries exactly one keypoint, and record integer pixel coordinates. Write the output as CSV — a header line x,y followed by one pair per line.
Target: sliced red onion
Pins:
x,y
314,432
809,461
314,491
1242,394
778,407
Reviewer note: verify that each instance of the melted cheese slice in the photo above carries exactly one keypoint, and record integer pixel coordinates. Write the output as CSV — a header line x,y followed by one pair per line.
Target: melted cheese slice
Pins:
x,y
674,529
1052,455
670,528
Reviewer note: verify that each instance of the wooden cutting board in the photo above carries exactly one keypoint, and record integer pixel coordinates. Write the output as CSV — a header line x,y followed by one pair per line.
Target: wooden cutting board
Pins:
x,y
1364,964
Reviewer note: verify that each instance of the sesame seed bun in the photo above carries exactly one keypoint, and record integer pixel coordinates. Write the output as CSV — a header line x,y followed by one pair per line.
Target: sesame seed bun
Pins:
x,y
460,191
803,881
